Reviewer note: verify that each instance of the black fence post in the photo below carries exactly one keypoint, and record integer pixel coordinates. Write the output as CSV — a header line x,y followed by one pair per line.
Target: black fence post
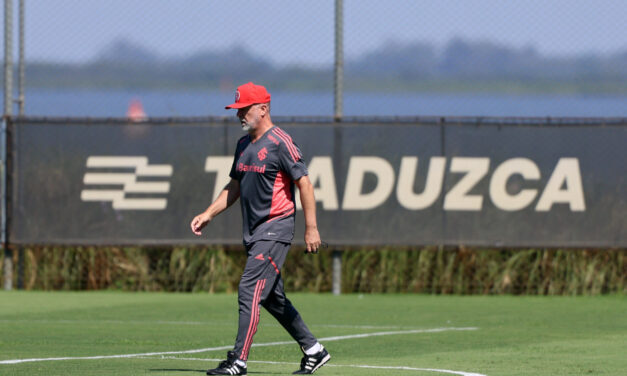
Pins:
x,y
336,255
20,268
8,269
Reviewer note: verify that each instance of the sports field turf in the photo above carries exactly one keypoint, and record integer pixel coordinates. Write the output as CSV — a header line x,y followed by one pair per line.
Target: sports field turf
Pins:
x,y
487,335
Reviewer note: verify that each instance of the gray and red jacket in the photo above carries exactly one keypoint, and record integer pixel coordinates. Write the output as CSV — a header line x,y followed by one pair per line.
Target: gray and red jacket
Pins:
x,y
266,170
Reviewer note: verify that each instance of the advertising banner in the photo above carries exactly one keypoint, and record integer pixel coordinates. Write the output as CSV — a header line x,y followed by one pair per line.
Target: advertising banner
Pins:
x,y
379,182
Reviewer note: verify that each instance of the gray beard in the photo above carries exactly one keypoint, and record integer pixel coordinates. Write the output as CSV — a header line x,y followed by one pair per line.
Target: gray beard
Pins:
x,y
245,127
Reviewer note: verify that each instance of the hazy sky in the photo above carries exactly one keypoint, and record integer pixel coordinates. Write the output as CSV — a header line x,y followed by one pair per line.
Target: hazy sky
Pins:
x,y
292,31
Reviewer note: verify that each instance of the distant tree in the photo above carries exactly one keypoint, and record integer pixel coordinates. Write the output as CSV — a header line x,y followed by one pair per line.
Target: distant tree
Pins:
x,y
398,60
124,51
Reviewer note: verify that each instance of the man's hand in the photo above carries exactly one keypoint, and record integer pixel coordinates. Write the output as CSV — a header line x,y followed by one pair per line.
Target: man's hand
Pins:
x,y
226,198
312,239
199,222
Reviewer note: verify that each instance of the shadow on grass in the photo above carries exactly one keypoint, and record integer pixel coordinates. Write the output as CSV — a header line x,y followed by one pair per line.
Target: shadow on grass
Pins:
x,y
204,371
178,370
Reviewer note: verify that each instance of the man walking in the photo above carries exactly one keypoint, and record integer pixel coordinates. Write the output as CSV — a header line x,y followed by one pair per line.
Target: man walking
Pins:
x,y
266,166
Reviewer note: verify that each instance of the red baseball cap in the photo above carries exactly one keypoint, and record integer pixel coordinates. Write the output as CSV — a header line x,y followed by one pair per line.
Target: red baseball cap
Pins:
x,y
249,94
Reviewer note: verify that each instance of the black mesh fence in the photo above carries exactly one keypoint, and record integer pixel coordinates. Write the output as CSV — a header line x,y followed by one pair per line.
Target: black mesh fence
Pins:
x,y
406,182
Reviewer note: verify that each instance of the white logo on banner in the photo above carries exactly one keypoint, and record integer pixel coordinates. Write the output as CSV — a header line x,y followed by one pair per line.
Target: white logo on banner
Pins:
x,y
128,181
564,186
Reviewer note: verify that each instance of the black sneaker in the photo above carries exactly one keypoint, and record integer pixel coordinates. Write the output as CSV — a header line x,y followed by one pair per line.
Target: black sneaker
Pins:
x,y
228,366
310,363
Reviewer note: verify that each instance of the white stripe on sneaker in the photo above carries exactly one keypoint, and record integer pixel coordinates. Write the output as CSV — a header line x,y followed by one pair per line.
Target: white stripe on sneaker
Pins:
x,y
324,360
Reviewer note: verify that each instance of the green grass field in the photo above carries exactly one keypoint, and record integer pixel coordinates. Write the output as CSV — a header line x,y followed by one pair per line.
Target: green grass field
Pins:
x,y
511,335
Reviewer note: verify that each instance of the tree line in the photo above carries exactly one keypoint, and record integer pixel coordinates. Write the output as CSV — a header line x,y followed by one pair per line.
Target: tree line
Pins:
x,y
461,65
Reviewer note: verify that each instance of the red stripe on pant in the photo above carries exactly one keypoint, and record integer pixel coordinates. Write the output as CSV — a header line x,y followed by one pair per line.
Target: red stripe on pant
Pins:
x,y
273,264
254,318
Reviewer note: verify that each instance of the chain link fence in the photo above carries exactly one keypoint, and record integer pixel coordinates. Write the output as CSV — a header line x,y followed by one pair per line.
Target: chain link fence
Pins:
x,y
401,57
484,57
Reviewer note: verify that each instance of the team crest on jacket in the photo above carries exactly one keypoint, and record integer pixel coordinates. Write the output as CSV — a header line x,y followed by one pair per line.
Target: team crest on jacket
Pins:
x,y
262,154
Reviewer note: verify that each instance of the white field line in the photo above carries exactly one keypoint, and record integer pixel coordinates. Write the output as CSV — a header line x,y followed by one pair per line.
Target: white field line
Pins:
x,y
338,326
199,323
403,368
98,322
208,349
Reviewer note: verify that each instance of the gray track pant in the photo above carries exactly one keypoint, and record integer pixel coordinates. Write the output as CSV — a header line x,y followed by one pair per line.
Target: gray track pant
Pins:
x,y
262,285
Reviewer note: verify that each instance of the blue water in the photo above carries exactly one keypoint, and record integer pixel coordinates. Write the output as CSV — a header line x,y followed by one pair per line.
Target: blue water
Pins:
x,y
114,103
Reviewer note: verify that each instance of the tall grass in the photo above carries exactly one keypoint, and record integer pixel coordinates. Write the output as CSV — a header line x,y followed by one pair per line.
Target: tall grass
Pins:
x,y
389,270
